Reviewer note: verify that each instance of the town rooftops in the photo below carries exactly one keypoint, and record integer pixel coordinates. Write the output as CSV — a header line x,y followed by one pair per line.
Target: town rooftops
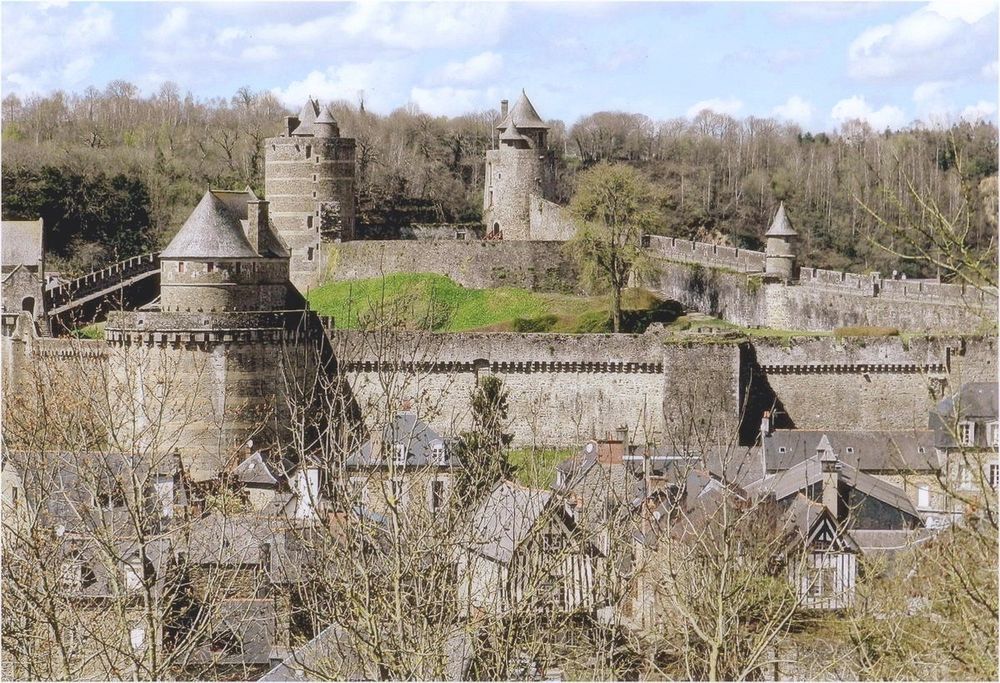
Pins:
x,y
406,431
873,451
21,243
781,226
523,115
973,400
505,519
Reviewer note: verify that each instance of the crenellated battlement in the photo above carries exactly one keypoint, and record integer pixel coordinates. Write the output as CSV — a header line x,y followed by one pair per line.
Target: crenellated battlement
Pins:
x,y
713,255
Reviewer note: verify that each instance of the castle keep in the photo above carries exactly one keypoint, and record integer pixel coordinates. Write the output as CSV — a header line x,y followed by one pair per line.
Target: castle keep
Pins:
x,y
309,182
205,370
519,170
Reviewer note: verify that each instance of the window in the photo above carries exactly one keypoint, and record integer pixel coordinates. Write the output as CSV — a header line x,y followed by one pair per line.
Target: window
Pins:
x,y
992,433
437,495
180,266
309,222
239,267
210,267
137,636
850,449
437,453
399,454
133,576
71,575
308,151
993,475
394,490
309,254
923,497
965,478
967,433
14,497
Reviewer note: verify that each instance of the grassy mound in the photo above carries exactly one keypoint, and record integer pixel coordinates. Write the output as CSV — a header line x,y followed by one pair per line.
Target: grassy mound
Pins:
x,y
434,302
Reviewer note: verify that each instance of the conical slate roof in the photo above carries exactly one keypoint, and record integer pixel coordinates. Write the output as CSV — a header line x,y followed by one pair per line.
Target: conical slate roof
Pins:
x,y
781,226
523,115
211,231
325,116
307,117
511,134
825,449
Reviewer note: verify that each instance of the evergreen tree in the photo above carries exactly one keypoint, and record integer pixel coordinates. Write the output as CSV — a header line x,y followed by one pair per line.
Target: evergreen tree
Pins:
x,y
483,451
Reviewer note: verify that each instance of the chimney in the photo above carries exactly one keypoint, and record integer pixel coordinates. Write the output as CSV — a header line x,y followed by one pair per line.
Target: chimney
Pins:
x,y
765,424
256,222
622,435
503,109
830,465
291,123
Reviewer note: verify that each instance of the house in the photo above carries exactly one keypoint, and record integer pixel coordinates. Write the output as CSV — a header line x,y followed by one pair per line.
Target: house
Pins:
x,y
520,552
406,463
965,428
23,267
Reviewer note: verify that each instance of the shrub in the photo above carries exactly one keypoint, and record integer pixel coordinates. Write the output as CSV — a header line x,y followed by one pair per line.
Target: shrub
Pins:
x,y
865,331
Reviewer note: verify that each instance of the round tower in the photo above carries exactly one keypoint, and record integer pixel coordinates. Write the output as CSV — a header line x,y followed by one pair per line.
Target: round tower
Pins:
x,y
779,252
520,166
206,368
309,183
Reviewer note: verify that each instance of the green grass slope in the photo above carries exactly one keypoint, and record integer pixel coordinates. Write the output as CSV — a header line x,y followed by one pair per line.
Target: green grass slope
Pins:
x,y
434,302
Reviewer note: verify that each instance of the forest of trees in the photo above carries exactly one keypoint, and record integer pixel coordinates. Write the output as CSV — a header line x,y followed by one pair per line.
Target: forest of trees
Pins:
x,y
115,173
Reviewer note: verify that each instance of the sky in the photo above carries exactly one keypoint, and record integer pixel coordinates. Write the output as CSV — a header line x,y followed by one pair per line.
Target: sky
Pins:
x,y
815,64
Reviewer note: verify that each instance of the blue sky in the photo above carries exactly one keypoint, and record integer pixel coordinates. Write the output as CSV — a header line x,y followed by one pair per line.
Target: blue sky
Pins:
x,y
817,64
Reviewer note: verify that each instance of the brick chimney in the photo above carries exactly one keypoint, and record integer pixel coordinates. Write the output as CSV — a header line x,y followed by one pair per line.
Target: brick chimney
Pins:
x,y
830,465
611,451
256,222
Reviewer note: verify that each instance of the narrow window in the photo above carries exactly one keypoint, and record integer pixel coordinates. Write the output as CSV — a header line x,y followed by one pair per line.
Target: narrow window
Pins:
x,y
437,495
308,151
923,498
967,433
992,430
993,475
399,454
309,222
309,254
180,266
211,267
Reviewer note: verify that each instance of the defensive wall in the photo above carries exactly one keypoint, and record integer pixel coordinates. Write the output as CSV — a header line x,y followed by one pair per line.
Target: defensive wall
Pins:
x,y
540,266
549,221
728,283
566,388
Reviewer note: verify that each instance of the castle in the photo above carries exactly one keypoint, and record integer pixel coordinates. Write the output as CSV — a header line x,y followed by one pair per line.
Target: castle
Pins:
x,y
309,182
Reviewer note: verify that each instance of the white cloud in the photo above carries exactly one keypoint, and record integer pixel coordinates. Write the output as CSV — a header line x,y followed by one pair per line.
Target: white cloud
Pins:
x,y
427,25
172,26
857,108
795,109
260,53
731,106
939,39
930,92
990,70
381,82
981,110
48,47
447,101
481,67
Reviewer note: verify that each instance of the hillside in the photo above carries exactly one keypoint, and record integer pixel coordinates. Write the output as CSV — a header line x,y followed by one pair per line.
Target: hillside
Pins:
x,y
434,302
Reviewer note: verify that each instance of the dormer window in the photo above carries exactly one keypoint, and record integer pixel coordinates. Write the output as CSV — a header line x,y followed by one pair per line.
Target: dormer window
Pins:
x,y
850,449
133,575
992,433
437,453
967,433
399,454
211,267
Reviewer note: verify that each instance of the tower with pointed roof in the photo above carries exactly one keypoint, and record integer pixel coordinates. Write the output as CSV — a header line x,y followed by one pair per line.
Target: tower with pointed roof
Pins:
x,y
519,167
204,368
309,182
779,251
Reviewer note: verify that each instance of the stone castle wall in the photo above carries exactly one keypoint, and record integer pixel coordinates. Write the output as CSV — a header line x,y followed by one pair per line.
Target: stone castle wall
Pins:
x,y
549,221
541,266
689,251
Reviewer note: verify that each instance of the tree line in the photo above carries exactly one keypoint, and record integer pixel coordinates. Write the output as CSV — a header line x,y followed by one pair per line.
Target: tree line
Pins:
x,y
145,160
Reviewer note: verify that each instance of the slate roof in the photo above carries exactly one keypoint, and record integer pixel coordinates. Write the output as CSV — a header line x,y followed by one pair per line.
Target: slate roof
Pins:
x,y
307,117
211,231
254,470
872,451
511,134
231,540
809,472
332,652
505,519
973,400
251,624
406,429
21,243
781,226
523,115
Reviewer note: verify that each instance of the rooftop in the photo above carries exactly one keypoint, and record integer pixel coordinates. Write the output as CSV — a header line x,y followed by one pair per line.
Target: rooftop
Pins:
x,y
523,115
